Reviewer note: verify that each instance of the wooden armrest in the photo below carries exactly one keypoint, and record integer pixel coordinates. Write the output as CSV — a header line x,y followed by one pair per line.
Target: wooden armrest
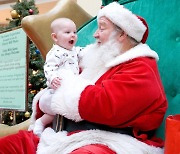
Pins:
x,y
8,130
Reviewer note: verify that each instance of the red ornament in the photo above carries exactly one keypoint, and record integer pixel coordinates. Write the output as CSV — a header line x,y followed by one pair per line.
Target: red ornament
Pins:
x,y
29,85
31,11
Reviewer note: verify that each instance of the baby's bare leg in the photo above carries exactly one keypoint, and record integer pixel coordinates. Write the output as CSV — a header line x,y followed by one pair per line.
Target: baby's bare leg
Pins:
x,y
41,123
45,102
47,119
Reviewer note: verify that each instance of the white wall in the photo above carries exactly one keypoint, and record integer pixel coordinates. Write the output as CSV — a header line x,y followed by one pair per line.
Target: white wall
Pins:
x,y
90,6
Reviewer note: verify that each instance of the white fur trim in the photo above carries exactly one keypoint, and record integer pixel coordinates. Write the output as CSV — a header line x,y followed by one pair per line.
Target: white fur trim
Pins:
x,y
56,143
91,63
65,100
141,50
34,104
124,19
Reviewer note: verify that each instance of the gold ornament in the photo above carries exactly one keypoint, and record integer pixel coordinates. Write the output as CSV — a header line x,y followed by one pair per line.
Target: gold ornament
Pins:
x,y
11,117
27,114
41,79
14,14
19,0
34,72
33,91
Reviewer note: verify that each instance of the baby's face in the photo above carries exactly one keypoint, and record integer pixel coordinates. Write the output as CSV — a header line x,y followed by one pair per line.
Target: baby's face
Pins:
x,y
66,36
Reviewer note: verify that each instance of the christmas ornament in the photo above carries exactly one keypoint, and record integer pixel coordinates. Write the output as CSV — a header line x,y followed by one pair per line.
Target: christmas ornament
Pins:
x,y
14,14
11,117
27,114
29,85
19,1
31,11
34,72
37,51
33,92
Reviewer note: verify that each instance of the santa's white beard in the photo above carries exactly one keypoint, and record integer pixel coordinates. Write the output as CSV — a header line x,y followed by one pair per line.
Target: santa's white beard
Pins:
x,y
97,56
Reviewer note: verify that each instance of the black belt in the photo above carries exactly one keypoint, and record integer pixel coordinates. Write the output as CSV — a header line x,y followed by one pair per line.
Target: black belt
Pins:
x,y
70,126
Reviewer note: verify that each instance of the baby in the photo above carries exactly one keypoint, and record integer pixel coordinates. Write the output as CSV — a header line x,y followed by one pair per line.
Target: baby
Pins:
x,y
63,55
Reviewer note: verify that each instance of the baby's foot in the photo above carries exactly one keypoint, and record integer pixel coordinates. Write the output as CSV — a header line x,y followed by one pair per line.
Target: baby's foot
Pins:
x,y
38,127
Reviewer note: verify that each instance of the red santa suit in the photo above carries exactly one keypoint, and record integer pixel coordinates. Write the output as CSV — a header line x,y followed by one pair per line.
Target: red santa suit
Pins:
x,y
124,92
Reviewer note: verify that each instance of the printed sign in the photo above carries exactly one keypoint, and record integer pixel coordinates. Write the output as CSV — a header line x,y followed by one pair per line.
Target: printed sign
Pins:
x,y
13,70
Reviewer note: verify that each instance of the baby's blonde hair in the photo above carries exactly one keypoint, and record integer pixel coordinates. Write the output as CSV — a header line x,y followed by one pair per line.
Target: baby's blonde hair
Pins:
x,y
59,22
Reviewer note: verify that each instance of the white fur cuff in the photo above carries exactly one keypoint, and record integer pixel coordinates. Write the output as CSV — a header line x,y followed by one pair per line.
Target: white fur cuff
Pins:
x,y
66,99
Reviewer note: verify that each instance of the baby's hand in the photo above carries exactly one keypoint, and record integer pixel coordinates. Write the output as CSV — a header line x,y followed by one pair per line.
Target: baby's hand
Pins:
x,y
55,83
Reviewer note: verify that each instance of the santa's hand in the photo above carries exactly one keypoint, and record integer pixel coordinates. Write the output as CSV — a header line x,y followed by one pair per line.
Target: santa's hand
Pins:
x,y
56,82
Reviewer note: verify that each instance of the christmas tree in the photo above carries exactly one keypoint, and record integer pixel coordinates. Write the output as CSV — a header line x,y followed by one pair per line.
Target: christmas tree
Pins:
x,y
36,77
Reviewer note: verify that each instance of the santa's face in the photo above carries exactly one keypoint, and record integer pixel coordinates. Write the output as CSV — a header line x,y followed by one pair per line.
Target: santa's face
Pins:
x,y
105,29
96,57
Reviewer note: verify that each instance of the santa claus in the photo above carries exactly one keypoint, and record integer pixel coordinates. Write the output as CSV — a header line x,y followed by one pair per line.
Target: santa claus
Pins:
x,y
117,102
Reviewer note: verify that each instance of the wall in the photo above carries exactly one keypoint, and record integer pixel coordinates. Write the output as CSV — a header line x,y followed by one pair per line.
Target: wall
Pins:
x,y
91,6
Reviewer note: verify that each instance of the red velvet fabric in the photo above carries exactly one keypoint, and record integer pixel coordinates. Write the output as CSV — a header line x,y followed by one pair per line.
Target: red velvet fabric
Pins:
x,y
24,142
93,149
39,113
158,142
145,36
130,94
